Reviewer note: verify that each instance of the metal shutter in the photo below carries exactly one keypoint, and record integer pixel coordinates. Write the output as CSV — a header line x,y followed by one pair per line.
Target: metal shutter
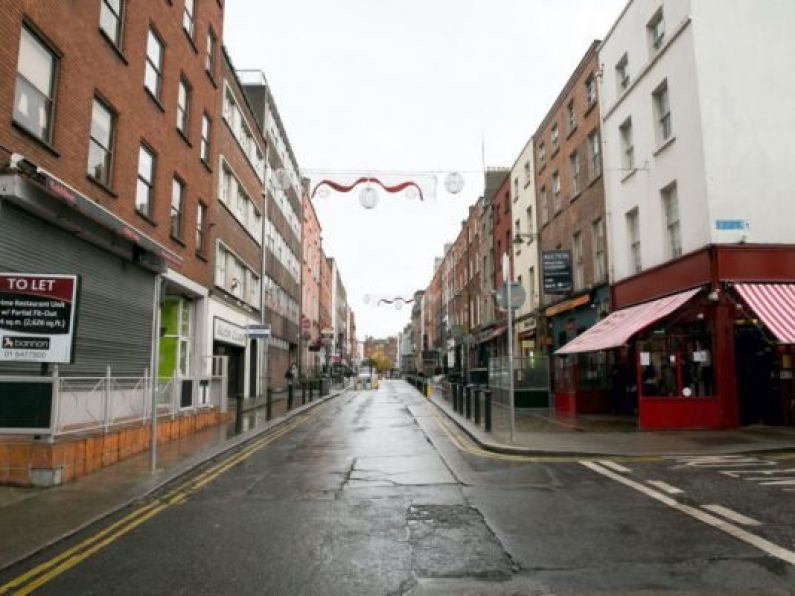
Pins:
x,y
115,301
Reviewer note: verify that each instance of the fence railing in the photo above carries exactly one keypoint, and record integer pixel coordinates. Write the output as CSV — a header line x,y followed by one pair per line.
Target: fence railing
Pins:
x,y
70,405
530,374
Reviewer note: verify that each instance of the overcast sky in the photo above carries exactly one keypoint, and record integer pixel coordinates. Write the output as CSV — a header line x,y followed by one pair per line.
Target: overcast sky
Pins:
x,y
407,90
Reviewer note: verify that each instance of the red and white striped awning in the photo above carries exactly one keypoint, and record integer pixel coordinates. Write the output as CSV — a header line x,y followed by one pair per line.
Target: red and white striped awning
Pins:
x,y
775,305
618,327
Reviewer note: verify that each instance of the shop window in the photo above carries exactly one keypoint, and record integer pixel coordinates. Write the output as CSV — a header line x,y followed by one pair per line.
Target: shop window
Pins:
x,y
175,323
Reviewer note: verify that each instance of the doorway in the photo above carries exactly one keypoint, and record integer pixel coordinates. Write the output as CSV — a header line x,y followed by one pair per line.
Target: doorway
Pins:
x,y
236,370
758,390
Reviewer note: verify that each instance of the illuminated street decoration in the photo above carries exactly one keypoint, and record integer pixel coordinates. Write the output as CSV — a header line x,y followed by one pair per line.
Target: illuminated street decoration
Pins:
x,y
367,198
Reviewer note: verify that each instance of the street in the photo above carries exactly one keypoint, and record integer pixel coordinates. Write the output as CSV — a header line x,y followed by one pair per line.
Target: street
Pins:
x,y
375,492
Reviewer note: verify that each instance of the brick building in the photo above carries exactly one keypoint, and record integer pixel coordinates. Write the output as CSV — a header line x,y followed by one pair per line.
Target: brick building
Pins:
x,y
324,344
571,203
310,287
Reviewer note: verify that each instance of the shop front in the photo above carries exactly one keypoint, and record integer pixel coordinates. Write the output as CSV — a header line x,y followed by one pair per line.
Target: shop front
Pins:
x,y
705,341
244,354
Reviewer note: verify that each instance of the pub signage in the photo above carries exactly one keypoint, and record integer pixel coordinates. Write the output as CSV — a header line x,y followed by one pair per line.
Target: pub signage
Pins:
x,y
37,317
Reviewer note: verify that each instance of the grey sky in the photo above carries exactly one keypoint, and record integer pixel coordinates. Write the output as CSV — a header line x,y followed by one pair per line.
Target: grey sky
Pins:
x,y
401,87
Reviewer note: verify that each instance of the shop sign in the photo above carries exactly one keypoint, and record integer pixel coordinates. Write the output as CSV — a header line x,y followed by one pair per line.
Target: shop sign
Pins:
x,y
568,305
228,333
731,224
556,266
37,317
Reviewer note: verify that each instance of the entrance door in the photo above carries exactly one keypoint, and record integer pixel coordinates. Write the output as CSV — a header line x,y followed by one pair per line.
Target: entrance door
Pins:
x,y
757,387
236,370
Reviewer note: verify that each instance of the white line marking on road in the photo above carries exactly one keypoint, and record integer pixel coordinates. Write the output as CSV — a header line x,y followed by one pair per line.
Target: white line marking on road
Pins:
x,y
739,533
671,490
732,515
614,466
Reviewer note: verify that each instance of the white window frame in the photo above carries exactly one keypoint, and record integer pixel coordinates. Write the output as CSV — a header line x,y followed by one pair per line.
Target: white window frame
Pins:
x,y
46,115
673,226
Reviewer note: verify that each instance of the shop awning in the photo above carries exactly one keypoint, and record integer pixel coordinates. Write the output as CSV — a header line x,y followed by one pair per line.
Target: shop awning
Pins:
x,y
618,327
491,334
775,305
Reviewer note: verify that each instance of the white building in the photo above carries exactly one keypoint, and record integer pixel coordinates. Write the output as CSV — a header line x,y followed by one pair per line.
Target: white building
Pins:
x,y
525,255
697,127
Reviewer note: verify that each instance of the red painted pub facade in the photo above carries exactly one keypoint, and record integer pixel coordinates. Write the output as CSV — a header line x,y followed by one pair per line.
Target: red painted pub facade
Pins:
x,y
707,344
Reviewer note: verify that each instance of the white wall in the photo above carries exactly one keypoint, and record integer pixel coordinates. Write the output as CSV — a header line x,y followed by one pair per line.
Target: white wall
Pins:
x,y
745,57
215,308
680,160
525,255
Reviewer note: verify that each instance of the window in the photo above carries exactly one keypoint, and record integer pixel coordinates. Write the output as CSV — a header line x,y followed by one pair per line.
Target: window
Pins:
x,y
234,276
187,17
201,229
556,192
542,155
590,90
595,148
175,315
622,73
100,144
237,201
574,162
662,111
571,116
530,224
144,189
600,250
555,138
542,202
627,148
35,88
154,64
245,138
671,207
204,149
110,19
177,207
183,106
516,188
633,235
528,173
579,269
209,63
656,30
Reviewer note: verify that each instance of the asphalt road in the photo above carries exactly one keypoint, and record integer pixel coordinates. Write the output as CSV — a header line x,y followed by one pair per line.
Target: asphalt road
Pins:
x,y
375,493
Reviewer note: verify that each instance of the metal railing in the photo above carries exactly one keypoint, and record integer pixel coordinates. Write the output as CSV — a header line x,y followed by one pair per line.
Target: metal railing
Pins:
x,y
90,404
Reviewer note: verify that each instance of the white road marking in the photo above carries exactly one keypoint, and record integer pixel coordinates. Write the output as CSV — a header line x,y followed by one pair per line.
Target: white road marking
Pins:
x,y
614,466
732,515
758,542
671,490
721,461
738,473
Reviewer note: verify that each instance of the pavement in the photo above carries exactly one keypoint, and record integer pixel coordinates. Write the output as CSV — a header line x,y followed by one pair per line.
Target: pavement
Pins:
x,y
33,519
377,493
540,432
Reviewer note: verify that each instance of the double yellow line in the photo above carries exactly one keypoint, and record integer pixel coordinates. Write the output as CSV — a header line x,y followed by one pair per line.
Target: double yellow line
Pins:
x,y
38,576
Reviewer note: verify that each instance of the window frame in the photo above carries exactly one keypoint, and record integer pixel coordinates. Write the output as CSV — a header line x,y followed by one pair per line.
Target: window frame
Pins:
x,y
176,234
627,145
189,17
210,52
578,260
571,116
575,163
201,228
183,112
622,73
633,236
51,97
206,139
673,229
663,120
151,32
109,151
599,234
656,30
118,38
150,184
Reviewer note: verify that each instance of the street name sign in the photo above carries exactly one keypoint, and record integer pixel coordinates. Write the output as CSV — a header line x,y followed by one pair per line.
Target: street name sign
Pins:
x,y
258,331
37,317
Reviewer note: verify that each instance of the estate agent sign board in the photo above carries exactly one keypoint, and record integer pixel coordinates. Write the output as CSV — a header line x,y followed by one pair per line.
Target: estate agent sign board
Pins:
x,y
37,317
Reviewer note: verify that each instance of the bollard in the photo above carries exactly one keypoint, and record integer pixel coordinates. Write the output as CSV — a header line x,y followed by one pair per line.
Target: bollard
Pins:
x,y
290,395
239,415
476,392
311,386
487,410
458,400
268,403
303,392
468,401
454,396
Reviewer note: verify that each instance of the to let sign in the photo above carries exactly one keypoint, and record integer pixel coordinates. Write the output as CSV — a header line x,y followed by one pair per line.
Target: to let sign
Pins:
x,y
37,317
556,266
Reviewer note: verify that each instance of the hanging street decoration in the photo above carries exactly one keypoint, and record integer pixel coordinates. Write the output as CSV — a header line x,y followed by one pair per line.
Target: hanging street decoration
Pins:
x,y
454,183
367,198
397,301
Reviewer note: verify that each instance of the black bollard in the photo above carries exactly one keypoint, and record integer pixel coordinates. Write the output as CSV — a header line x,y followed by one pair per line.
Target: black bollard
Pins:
x,y
457,393
290,395
468,390
311,385
487,410
303,392
476,395
239,415
268,403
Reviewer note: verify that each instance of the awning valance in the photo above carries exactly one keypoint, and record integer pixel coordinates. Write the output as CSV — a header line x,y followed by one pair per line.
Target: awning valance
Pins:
x,y
618,327
775,305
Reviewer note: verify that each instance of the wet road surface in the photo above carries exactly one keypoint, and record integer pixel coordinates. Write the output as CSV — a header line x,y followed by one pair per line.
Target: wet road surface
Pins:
x,y
375,493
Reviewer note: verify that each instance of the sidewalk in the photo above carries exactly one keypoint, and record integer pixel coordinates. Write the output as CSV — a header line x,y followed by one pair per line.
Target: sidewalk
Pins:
x,y
33,519
539,432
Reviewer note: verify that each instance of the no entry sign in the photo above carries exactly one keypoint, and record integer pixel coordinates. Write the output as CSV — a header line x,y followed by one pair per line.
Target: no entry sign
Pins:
x,y
37,317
